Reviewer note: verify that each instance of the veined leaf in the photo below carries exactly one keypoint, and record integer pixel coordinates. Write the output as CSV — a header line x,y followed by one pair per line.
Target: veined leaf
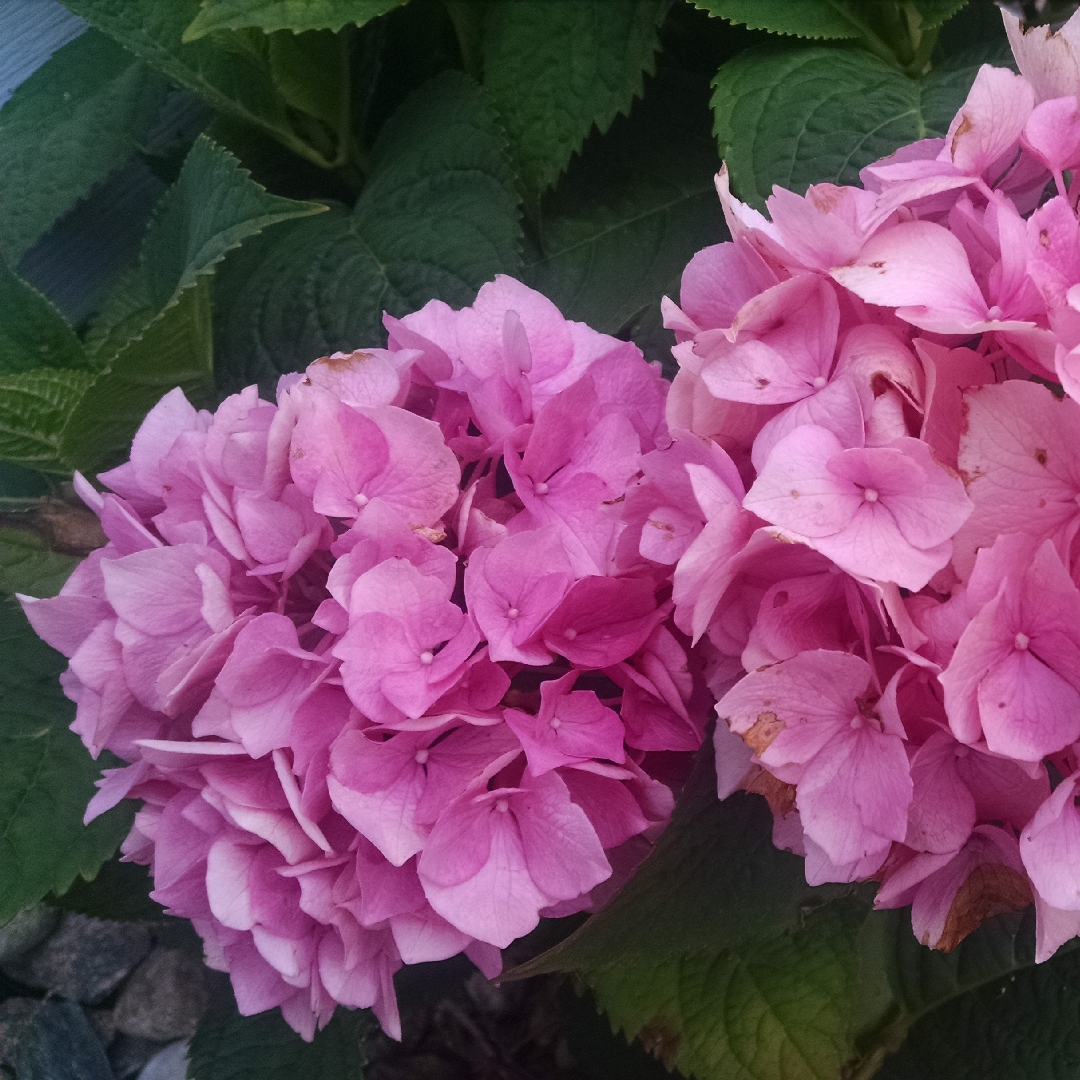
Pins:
x,y
48,777
297,15
28,566
557,67
33,334
438,218
230,70
213,205
34,407
175,349
632,209
826,19
818,114
65,129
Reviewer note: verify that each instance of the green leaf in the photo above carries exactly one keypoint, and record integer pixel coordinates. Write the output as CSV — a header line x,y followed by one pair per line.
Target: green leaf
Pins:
x,y
557,67
34,407
229,70
175,349
632,209
820,19
119,890
1025,1023
213,205
154,332
28,566
820,114
717,955
438,218
228,1046
48,777
311,71
65,129
823,19
296,15
33,334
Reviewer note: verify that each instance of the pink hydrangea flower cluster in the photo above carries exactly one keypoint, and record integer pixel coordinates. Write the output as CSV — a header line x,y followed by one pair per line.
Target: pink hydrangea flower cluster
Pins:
x,y
889,377
391,660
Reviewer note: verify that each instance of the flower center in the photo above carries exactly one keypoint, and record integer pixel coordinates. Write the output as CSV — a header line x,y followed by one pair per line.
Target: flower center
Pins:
x,y
421,757
1022,641
512,613
502,806
820,382
427,656
541,488
870,494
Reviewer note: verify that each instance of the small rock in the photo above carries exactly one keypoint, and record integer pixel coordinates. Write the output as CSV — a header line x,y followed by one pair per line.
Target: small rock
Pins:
x,y
129,1055
164,998
51,1040
29,928
169,1064
85,959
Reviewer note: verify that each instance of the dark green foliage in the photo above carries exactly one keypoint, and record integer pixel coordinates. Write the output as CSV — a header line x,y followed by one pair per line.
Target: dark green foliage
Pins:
x,y
228,1046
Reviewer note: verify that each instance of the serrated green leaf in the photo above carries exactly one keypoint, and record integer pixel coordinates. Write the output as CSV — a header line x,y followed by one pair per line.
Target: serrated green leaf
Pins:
x,y
632,209
65,129
33,334
832,19
556,68
1025,1023
213,205
269,15
175,349
228,1046
28,566
119,890
820,114
820,19
717,955
229,70
34,407
48,777
438,217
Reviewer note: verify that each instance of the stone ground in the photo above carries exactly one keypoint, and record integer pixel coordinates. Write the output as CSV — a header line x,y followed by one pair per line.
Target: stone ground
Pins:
x,y
90,999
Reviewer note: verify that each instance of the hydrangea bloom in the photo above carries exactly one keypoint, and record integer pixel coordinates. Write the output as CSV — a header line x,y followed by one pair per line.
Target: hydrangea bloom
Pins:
x,y
882,563
392,660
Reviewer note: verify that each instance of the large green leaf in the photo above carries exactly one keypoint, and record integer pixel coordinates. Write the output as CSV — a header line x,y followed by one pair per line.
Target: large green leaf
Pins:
x,y
632,209
28,566
154,332
33,334
211,208
175,349
296,15
66,128
1026,1025
824,19
557,67
230,70
228,1046
48,777
34,407
438,218
817,114
721,960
